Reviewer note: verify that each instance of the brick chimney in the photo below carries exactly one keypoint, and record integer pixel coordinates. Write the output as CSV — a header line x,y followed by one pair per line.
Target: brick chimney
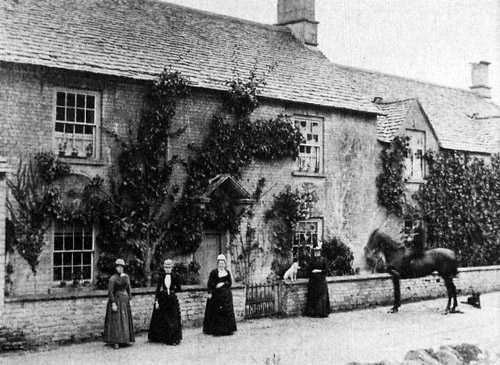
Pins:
x,y
298,16
480,84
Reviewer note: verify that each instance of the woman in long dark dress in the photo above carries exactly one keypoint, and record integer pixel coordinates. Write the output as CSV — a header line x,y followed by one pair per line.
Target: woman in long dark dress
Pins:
x,y
118,325
219,313
165,323
318,301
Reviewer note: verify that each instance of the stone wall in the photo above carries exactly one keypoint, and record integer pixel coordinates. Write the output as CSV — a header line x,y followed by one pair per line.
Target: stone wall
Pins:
x,y
76,315
352,292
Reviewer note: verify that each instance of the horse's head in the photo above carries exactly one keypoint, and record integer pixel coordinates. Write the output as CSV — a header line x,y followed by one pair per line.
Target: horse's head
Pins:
x,y
380,247
374,251
374,245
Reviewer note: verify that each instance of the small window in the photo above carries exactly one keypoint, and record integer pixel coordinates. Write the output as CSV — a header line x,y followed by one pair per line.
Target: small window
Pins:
x,y
310,158
306,236
76,124
73,252
414,162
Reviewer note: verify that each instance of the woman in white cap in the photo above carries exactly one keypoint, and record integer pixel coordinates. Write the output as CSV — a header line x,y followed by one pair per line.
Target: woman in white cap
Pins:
x,y
219,313
165,323
318,301
118,325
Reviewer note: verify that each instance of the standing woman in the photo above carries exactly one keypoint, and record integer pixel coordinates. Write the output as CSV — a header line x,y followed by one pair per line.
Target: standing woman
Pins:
x,y
318,301
219,313
165,323
118,326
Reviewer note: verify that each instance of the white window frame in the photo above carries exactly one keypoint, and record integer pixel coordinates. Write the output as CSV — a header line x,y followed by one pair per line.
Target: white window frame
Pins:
x,y
310,159
414,161
78,142
63,251
297,239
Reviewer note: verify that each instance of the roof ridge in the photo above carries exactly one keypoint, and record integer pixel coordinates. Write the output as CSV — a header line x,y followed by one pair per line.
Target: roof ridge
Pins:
x,y
214,14
354,68
396,101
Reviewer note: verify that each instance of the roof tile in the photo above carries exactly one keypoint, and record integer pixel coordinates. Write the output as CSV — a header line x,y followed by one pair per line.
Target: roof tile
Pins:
x,y
449,110
138,38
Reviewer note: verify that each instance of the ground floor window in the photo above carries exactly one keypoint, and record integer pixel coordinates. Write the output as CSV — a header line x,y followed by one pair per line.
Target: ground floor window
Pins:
x,y
307,235
73,256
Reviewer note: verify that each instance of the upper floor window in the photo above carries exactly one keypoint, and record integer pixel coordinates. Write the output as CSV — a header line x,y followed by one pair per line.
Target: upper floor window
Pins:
x,y
73,255
77,118
415,165
306,236
311,151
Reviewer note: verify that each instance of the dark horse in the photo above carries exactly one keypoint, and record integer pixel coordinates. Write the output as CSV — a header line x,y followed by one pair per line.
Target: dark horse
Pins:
x,y
402,263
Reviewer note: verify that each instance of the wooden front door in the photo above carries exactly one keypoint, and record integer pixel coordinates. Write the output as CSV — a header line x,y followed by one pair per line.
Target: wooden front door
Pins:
x,y
206,255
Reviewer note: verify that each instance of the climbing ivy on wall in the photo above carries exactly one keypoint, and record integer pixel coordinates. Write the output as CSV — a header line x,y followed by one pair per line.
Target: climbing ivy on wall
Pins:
x,y
143,191
461,203
233,142
391,181
36,202
142,188
289,207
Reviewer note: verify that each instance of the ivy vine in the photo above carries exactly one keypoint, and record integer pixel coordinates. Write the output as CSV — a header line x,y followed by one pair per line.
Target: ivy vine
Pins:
x,y
230,146
289,207
36,202
391,180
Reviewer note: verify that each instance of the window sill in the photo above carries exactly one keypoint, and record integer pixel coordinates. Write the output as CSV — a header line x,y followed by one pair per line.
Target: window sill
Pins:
x,y
82,161
309,174
416,181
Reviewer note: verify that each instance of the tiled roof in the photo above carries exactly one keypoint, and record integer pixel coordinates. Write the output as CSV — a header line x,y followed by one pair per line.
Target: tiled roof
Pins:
x,y
138,38
396,111
450,110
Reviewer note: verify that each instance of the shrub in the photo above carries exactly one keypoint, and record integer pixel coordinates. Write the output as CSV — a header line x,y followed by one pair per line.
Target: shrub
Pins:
x,y
339,257
188,274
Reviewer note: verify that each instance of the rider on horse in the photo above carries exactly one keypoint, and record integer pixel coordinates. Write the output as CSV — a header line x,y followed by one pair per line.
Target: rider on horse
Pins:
x,y
419,242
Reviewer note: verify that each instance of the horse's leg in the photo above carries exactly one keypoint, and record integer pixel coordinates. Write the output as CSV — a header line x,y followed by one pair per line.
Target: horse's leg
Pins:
x,y
397,291
448,290
452,294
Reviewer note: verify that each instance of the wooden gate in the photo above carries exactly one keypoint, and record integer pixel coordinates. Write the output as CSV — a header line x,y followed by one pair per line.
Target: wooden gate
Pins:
x,y
262,300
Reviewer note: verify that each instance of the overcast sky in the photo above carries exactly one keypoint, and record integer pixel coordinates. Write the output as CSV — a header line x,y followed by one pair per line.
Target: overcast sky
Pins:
x,y
429,40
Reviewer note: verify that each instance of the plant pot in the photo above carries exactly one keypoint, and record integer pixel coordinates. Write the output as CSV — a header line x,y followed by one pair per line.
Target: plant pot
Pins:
x,y
74,154
89,154
62,153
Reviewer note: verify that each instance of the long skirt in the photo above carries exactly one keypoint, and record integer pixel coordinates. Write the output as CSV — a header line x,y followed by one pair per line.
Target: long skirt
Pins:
x,y
219,313
119,326
165,323
318,301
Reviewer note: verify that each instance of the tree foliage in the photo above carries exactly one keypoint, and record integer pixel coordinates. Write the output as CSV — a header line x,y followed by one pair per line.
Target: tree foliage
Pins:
x,y
461,203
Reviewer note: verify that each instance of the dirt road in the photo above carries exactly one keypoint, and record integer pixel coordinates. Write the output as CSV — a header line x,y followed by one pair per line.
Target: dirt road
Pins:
x,y
364,336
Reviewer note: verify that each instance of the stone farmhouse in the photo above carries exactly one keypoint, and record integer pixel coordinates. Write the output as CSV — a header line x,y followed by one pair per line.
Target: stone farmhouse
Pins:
x,y
71,69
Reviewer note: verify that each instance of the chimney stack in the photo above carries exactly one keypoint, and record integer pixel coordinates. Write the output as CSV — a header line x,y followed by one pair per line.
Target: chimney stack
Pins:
x,y
299,17
480,84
